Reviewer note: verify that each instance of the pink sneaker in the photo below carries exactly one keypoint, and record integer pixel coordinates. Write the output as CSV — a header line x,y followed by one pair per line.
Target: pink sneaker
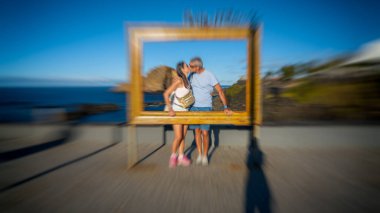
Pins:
x,y
184,161
172,161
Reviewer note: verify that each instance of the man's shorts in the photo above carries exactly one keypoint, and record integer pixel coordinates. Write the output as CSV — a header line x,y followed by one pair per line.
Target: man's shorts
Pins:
x,y
200,126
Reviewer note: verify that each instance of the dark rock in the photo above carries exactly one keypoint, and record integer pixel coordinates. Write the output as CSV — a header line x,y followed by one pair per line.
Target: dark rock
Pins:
x,y
158,79
97,108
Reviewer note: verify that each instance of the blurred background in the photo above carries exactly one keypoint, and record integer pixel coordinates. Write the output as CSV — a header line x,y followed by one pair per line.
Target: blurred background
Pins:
x,y
65,62
69,60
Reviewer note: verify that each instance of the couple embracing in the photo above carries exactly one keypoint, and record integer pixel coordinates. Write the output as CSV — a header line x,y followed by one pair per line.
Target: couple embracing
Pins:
x,y
193,85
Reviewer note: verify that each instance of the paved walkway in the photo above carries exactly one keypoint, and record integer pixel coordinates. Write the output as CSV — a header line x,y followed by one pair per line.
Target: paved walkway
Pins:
x,y
88,176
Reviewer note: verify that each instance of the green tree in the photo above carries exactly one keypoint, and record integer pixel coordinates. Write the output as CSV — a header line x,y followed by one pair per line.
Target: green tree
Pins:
x,y
268,74
287,72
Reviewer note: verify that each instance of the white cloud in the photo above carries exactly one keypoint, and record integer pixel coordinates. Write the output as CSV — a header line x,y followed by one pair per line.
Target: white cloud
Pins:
x,y
368,52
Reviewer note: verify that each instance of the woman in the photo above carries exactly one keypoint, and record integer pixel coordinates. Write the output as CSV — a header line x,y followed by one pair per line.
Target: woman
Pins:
x,y
180,87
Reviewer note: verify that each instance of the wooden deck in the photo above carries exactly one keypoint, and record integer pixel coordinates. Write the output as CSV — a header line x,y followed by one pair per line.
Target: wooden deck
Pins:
x,y
91,176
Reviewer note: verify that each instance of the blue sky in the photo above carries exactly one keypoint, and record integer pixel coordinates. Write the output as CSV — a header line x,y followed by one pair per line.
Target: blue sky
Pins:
x,y
226,59
82,42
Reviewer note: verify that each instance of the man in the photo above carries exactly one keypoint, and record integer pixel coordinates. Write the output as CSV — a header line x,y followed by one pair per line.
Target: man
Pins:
x,y
203,82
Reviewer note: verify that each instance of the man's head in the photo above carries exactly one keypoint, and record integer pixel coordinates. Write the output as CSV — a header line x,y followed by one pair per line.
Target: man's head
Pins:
x,y
196,64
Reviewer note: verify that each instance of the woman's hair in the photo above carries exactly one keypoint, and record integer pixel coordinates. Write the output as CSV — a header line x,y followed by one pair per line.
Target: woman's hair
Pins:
x,y
181,74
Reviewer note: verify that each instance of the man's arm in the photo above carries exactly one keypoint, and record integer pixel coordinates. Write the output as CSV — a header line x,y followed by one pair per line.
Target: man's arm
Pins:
x,y
218,88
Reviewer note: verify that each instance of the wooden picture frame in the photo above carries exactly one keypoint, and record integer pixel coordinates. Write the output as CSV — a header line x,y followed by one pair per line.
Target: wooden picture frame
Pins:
x,y
139,35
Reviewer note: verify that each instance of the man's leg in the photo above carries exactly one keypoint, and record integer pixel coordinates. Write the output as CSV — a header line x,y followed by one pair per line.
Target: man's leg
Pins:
x,y
205,135
198,141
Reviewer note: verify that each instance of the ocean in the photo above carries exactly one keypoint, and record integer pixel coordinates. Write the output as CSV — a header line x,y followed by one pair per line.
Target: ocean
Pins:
x,y
27,104
21,104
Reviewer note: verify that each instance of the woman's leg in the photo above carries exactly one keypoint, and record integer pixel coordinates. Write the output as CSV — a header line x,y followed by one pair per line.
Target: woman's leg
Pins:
x,y
182,143
182,159
178,135
177,139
